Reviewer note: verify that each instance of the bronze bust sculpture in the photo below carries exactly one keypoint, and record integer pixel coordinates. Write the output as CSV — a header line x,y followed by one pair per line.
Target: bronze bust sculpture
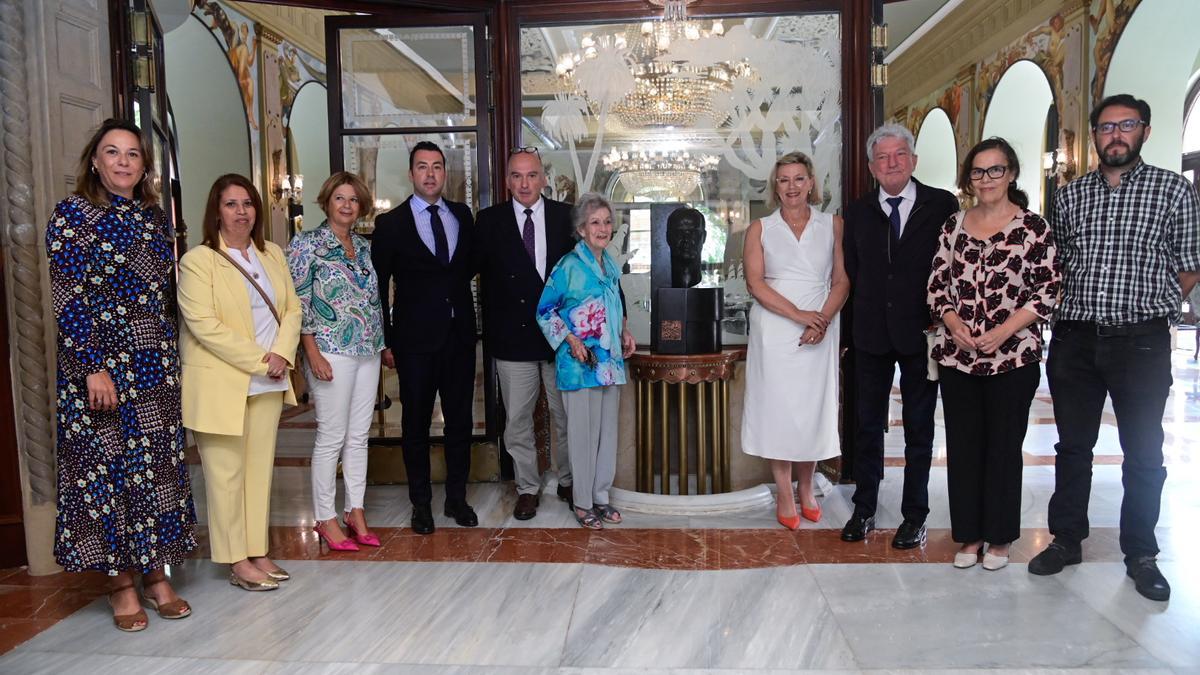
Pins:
x,y
685,236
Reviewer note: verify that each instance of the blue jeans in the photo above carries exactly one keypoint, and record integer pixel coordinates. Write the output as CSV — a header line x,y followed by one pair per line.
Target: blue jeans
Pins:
x,y
1133,366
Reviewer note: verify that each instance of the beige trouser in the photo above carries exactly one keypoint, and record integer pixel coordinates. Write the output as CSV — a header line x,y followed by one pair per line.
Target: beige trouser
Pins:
x,y
237,481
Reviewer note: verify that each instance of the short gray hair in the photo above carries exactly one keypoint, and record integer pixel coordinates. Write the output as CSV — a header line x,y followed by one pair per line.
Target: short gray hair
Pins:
x,y
589,203
890,130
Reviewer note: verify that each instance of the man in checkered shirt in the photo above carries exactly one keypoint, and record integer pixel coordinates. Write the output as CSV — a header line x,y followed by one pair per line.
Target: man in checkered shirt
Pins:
x,y
1128,237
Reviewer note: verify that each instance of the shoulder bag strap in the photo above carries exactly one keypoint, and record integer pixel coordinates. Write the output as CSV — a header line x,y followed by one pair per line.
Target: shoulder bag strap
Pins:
x,y
236,266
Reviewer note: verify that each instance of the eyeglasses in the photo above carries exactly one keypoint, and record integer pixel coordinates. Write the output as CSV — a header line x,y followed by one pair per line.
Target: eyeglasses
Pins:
x,y
529,148
1124,125
996,171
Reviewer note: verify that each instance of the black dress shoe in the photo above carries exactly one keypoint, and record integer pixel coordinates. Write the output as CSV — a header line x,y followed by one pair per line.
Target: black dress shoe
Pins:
x,y
462,513
1055,558
910,534
1147,579
422,519
567,494
857,527
526,507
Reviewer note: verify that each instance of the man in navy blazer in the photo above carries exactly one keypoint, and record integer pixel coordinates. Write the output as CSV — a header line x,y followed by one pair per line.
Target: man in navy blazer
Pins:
x,y
890,239
424,250
518,243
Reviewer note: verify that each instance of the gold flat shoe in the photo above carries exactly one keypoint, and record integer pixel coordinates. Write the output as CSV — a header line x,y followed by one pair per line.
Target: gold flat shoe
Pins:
x,y
248,585
279,575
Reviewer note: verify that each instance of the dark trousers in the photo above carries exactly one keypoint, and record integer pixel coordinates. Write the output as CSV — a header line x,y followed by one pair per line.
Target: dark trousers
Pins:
x,y
873,382
1135,370
986,419
450,373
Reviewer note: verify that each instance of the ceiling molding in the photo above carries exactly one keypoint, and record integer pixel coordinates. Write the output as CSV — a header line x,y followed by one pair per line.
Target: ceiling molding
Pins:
x,y
301,26
971,33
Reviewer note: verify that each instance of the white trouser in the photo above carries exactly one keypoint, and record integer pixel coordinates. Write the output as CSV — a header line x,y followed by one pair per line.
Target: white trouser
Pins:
x,y
344,406
520,382
592,438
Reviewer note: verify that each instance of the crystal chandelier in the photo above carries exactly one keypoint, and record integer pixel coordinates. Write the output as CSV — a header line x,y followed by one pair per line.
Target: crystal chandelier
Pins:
x,y
659,173
666,93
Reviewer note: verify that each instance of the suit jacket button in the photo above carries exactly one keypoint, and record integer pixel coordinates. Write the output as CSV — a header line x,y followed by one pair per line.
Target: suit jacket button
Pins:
x,y
522,301
889,304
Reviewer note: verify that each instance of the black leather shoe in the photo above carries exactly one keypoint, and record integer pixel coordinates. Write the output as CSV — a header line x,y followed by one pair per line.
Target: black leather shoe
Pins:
x,y
567,494
857,527
910,534
526,508
1055,558
462,513
1147,579
422,519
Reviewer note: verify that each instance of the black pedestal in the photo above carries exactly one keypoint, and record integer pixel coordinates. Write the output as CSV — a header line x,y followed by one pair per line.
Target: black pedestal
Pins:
x,y
687,320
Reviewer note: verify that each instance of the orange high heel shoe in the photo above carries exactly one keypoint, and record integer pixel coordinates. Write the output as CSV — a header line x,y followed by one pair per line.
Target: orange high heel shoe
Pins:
x,y
792,523
813,514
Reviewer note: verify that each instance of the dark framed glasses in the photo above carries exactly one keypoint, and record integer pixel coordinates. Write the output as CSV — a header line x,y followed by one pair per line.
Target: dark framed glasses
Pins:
x,y
529,148
1124,125
997,171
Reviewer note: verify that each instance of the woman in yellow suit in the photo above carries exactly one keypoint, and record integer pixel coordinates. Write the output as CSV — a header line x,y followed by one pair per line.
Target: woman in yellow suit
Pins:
x,y
242,321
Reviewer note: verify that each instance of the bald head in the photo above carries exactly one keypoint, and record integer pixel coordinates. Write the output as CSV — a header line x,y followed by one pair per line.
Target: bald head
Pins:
x,y
525,178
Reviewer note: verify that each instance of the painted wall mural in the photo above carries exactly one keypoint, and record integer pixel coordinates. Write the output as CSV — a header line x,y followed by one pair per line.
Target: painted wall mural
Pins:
x,y
1107,20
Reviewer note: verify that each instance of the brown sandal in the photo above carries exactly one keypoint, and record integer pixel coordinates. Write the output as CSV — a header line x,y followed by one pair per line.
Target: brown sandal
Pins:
x,y
175,609
129,623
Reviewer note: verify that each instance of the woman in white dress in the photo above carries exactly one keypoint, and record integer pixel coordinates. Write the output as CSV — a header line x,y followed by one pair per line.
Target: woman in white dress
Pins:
x,y
794,270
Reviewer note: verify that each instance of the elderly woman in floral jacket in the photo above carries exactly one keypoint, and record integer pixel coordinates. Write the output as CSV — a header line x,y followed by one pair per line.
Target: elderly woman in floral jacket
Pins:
x,y
582,315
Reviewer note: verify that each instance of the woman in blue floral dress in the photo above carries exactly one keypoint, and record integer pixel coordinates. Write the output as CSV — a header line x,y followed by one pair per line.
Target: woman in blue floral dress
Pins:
x,y
124,499
342,335
581,313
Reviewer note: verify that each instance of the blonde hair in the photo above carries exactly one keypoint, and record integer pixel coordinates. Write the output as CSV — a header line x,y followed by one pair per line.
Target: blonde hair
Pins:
x,y
814,195
366,203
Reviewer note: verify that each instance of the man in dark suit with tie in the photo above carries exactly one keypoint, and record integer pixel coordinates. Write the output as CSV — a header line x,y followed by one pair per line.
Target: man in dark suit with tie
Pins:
x,y
890,239
518,243
424,248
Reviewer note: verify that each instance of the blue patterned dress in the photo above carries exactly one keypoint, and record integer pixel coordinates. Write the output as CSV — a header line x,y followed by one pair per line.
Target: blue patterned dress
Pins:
x,y
124,498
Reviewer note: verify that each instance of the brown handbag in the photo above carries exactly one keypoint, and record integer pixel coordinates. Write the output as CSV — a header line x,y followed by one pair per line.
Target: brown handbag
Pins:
x,y
297,380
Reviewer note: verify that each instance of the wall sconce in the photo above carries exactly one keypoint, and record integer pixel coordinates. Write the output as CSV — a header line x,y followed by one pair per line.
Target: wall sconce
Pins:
x,y
290,188
1054,163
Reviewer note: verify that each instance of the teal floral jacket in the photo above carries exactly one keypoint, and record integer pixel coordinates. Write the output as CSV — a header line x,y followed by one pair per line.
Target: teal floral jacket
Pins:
x,y
583,297
339,296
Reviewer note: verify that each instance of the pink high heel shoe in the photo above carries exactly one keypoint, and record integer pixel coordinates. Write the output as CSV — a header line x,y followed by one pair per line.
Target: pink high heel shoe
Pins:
x,y
343,545
364,538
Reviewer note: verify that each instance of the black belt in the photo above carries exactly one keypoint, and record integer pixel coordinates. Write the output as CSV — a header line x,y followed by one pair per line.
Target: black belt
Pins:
x,y
1120,330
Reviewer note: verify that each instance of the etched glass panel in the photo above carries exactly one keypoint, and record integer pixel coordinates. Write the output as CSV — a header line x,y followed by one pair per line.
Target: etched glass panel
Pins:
x,y
693,111
382,162
408,77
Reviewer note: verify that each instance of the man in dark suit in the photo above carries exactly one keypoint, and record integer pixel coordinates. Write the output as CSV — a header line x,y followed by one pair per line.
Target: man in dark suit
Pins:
x,y
890,239
424,247
518,243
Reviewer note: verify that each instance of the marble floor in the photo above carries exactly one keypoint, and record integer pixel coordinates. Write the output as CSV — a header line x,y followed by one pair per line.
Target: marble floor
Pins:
x,y
658,594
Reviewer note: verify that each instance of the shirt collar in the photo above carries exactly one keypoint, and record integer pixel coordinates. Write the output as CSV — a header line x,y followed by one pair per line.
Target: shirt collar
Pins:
x,y
519,208
909,193
1130,175
419,204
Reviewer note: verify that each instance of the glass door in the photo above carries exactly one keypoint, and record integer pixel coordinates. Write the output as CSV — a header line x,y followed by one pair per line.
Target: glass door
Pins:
x,y
397,81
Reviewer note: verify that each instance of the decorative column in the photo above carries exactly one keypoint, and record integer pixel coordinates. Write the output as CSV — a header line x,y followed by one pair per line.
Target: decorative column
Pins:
x,y
31,369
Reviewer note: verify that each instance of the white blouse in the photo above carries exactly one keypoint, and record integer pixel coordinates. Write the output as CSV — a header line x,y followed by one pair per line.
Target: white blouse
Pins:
x,y
265,326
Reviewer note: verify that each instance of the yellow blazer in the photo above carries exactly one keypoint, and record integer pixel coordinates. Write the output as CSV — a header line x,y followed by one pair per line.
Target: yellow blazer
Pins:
x,y
216,343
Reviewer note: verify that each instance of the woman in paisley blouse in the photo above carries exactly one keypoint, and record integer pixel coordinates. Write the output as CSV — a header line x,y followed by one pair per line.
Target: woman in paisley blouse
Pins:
x,y
124,500
995,276
581,313
342,336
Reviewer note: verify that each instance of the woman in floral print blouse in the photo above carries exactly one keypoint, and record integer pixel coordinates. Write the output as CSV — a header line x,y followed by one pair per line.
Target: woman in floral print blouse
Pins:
x,y
342,336
124,497
582,316
995,276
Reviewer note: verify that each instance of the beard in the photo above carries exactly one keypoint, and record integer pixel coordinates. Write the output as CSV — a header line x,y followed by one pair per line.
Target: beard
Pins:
x,y
1112,156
